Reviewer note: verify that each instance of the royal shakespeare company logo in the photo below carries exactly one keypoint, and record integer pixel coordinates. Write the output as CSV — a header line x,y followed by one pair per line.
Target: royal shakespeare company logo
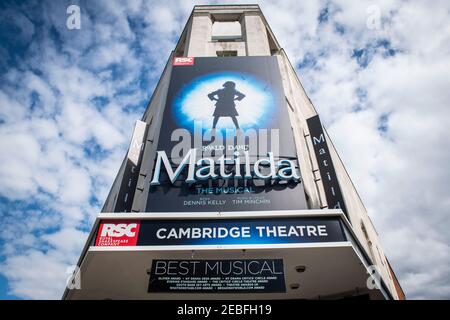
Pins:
x,y
114,233
183,61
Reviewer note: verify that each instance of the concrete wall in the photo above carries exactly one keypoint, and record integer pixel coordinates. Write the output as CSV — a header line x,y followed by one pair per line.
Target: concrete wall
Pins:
x,y
200,35
254,36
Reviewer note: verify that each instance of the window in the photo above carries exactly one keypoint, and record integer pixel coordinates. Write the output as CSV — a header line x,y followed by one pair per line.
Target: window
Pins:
x,y
226,53
226,31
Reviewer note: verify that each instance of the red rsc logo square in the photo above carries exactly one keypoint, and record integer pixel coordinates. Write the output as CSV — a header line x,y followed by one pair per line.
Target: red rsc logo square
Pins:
x,y
115,233
183,61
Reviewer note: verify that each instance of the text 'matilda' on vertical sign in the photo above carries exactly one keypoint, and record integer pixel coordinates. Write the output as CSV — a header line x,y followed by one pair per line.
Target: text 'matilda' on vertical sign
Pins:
x,y
132,167
333,192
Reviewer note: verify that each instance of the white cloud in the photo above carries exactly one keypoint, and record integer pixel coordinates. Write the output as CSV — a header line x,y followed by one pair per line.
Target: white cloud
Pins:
x,y
19,156
60,147
71,190
10,109
38,275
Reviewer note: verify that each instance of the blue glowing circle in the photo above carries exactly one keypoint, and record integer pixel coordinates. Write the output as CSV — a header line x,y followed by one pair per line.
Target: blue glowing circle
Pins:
x,y
191,104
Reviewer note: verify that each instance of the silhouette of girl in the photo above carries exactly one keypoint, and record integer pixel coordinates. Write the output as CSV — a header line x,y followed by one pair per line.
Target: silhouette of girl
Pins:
x,y
225,106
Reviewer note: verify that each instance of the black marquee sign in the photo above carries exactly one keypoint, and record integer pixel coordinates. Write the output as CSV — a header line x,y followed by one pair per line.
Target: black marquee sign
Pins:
x,y
238,232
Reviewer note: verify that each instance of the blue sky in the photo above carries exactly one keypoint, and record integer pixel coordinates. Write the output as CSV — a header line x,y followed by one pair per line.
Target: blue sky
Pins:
x,y
377,74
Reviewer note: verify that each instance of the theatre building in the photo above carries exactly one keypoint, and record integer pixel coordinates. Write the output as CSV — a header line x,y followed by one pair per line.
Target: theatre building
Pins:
x,y
231,187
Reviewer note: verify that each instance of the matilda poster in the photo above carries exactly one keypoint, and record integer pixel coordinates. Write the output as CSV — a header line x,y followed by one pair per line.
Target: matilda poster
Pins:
x,y
226,142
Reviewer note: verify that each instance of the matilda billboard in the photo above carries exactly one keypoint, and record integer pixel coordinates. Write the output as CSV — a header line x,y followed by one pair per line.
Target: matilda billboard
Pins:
x,y
225,142
218,276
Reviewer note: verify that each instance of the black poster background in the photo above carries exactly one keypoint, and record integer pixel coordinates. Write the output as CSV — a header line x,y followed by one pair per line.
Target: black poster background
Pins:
x,y
333,192
268,195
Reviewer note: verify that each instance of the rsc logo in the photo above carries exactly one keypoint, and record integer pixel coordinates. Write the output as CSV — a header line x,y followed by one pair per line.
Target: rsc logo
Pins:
x,y
119,230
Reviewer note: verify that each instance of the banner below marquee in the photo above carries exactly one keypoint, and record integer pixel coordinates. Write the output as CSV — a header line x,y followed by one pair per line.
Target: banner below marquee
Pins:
x,y
225,141
217,276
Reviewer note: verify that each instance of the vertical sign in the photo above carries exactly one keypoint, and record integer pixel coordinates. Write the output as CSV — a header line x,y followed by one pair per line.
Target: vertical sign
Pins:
x,y
132,167
330,182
